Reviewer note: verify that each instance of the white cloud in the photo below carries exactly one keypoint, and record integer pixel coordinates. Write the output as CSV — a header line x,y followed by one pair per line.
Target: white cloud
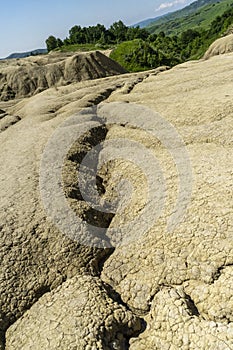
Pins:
x,y
166,5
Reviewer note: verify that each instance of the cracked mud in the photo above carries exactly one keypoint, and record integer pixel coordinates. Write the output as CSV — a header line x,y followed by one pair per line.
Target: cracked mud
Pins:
x,y
162,291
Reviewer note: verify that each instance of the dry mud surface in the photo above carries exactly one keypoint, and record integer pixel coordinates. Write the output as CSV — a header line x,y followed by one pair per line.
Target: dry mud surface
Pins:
x,y
164,289
29,76
220,46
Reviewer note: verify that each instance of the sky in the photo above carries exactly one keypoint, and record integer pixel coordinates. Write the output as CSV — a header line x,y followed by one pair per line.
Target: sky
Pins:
x,y
26,24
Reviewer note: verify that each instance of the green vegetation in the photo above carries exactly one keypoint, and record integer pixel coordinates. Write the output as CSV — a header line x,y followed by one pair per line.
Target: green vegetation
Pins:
x,y
52,43
96,35
135,55
136,49
191,17
160,49
138,55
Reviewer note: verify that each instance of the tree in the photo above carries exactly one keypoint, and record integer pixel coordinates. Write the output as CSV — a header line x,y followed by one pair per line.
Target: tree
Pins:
x,y
99,29
103,39
51,43
136,33
119,31
161,35
66,41
152,37
76,35
188,36
59,42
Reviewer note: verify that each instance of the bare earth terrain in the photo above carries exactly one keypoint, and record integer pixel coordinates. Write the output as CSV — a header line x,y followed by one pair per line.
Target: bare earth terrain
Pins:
x,y
163,289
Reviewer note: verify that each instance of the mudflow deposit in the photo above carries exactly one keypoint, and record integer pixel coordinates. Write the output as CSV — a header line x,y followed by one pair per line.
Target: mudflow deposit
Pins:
x,y
145,288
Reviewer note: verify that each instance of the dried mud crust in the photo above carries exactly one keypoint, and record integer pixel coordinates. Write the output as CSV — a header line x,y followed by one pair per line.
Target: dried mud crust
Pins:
x,y
35,256
77,315
197,256
178,282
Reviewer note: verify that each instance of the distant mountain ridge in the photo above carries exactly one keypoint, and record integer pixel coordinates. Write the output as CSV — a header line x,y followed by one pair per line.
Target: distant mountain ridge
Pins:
x,y
26,54
147,22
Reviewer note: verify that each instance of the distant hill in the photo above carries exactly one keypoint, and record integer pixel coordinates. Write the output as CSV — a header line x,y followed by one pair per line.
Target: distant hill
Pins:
x,y
147,22
176,14
198,14
26,54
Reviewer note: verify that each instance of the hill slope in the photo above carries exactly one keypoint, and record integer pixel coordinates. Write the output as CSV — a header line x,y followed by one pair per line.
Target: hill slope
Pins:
x,y
147,22
175,14
199,14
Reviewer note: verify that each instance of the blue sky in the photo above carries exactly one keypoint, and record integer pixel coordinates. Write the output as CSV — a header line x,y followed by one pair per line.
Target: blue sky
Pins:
x,y
26,24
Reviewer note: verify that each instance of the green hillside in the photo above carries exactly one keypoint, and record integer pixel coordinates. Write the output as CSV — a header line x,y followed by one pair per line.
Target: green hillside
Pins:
x,y
187,10
191,17
161,49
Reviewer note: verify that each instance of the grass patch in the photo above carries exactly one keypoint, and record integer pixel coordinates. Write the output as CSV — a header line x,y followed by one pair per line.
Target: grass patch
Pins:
x,y
135,55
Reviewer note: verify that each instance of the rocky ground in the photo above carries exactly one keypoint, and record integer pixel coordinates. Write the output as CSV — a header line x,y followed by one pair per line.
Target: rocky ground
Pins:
x,y
150,287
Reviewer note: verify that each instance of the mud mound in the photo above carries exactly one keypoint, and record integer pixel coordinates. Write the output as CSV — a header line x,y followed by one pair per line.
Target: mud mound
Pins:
x,y
220,46
27,77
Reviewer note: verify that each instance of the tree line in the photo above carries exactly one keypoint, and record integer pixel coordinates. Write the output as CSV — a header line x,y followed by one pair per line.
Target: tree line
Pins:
x,y
98,34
